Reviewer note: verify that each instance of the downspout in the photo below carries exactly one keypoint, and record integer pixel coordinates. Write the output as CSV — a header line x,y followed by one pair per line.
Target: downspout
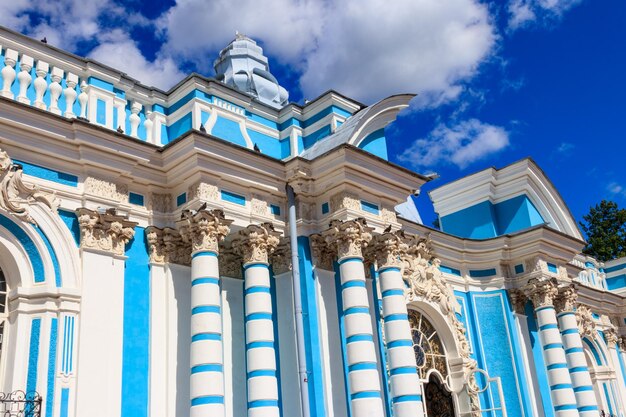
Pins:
x,y
297,303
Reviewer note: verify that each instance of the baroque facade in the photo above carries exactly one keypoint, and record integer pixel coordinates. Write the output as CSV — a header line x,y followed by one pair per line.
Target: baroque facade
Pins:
x,y
215,250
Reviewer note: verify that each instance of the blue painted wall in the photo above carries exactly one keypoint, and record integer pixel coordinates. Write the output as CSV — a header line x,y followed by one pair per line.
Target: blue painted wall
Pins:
x,y
136,344
486,220
540,366
228,130
376,144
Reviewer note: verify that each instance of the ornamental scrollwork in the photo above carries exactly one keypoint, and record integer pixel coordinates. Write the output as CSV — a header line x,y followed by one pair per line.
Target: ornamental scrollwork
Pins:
x,y
17,196
203,191
586,323
256,243
204,229
229,263
106,189
518,300
322,254
167,246
566,299
348,238
388,249
281,257
106,231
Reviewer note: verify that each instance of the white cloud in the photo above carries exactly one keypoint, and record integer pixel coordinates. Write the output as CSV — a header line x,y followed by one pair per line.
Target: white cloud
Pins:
x,y
525,12
120,52
616,188
565,147
460,144
429,47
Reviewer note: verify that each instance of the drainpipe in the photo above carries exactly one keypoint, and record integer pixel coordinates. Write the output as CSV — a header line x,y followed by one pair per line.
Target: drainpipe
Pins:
x,y
297,303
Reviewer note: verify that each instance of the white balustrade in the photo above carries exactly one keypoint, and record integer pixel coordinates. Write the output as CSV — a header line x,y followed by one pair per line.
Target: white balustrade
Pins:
x,y
120,108
148,124
83,98
24,78
70,94
8,73
55,89
41,84
134,118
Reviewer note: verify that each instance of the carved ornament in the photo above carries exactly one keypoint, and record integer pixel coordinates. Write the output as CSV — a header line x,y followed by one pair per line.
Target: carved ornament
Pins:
x,y
204,230
104,231
256,243
167,246
17,196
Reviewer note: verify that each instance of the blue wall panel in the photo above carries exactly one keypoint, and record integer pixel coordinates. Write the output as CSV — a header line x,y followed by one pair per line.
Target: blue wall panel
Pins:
x,y
376,144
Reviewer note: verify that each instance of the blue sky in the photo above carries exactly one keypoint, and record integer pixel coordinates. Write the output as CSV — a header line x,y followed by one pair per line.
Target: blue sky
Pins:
x,y
497,81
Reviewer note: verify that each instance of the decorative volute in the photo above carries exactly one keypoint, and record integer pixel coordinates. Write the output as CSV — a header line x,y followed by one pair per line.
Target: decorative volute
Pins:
x,y
256,243
108,231
204,230
348,238
16,196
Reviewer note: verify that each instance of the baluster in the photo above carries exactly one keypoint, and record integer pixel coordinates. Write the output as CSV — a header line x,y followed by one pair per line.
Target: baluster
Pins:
x,y
55,89
148,124
82,99
120,107
8,73
134,118
24,78
41,84
70,94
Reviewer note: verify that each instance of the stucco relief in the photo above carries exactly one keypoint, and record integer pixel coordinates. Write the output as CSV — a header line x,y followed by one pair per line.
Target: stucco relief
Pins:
x,y
344,200
161,203
17,196
203,191
256,243
106,189
204,230
104,231
167,246
348,238
586,323
281,257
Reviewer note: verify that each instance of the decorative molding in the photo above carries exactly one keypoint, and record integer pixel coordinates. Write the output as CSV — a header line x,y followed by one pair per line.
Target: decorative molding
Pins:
x,y
388,216
204,229
541,291
622,343
17,196
388,249
611,337
305,210
161,203
167,246
259,206
281,257
344,200
348,238
203,191
566,299
586,323
255,243
106,189
107,231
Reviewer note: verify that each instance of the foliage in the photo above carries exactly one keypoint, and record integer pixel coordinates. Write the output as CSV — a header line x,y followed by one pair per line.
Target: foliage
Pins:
x,y
605,228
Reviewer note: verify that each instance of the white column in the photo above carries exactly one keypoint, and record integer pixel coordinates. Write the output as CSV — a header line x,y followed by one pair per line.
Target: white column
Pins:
x,y
348,240
100,347
120,108
254,244
406,388
205,229
576,362
542,293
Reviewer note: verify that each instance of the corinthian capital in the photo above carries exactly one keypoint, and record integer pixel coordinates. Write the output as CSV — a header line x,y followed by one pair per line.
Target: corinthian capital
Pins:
x,y
389,249
256,242
167,246
104,231
322,253
348,238
566,300
541,291
204,230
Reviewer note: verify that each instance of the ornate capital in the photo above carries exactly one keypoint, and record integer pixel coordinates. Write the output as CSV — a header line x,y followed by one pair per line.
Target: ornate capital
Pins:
x,y
203,191
389,249
322,253
16,196
204,230
256,243
167,246
518,300
541,291
566,300
611,337
230,263
104,231
281,257
348,238
586,324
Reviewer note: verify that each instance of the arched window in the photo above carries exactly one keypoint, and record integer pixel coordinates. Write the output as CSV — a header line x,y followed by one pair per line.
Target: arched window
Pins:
x,y
429,351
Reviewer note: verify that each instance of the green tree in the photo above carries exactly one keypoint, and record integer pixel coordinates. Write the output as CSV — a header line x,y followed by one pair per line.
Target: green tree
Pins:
x,y
605,228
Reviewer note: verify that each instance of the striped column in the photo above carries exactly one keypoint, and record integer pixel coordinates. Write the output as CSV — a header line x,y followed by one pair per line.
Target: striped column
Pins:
x,y
205,230
254,244
576,362
542,293
406,388
348,239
